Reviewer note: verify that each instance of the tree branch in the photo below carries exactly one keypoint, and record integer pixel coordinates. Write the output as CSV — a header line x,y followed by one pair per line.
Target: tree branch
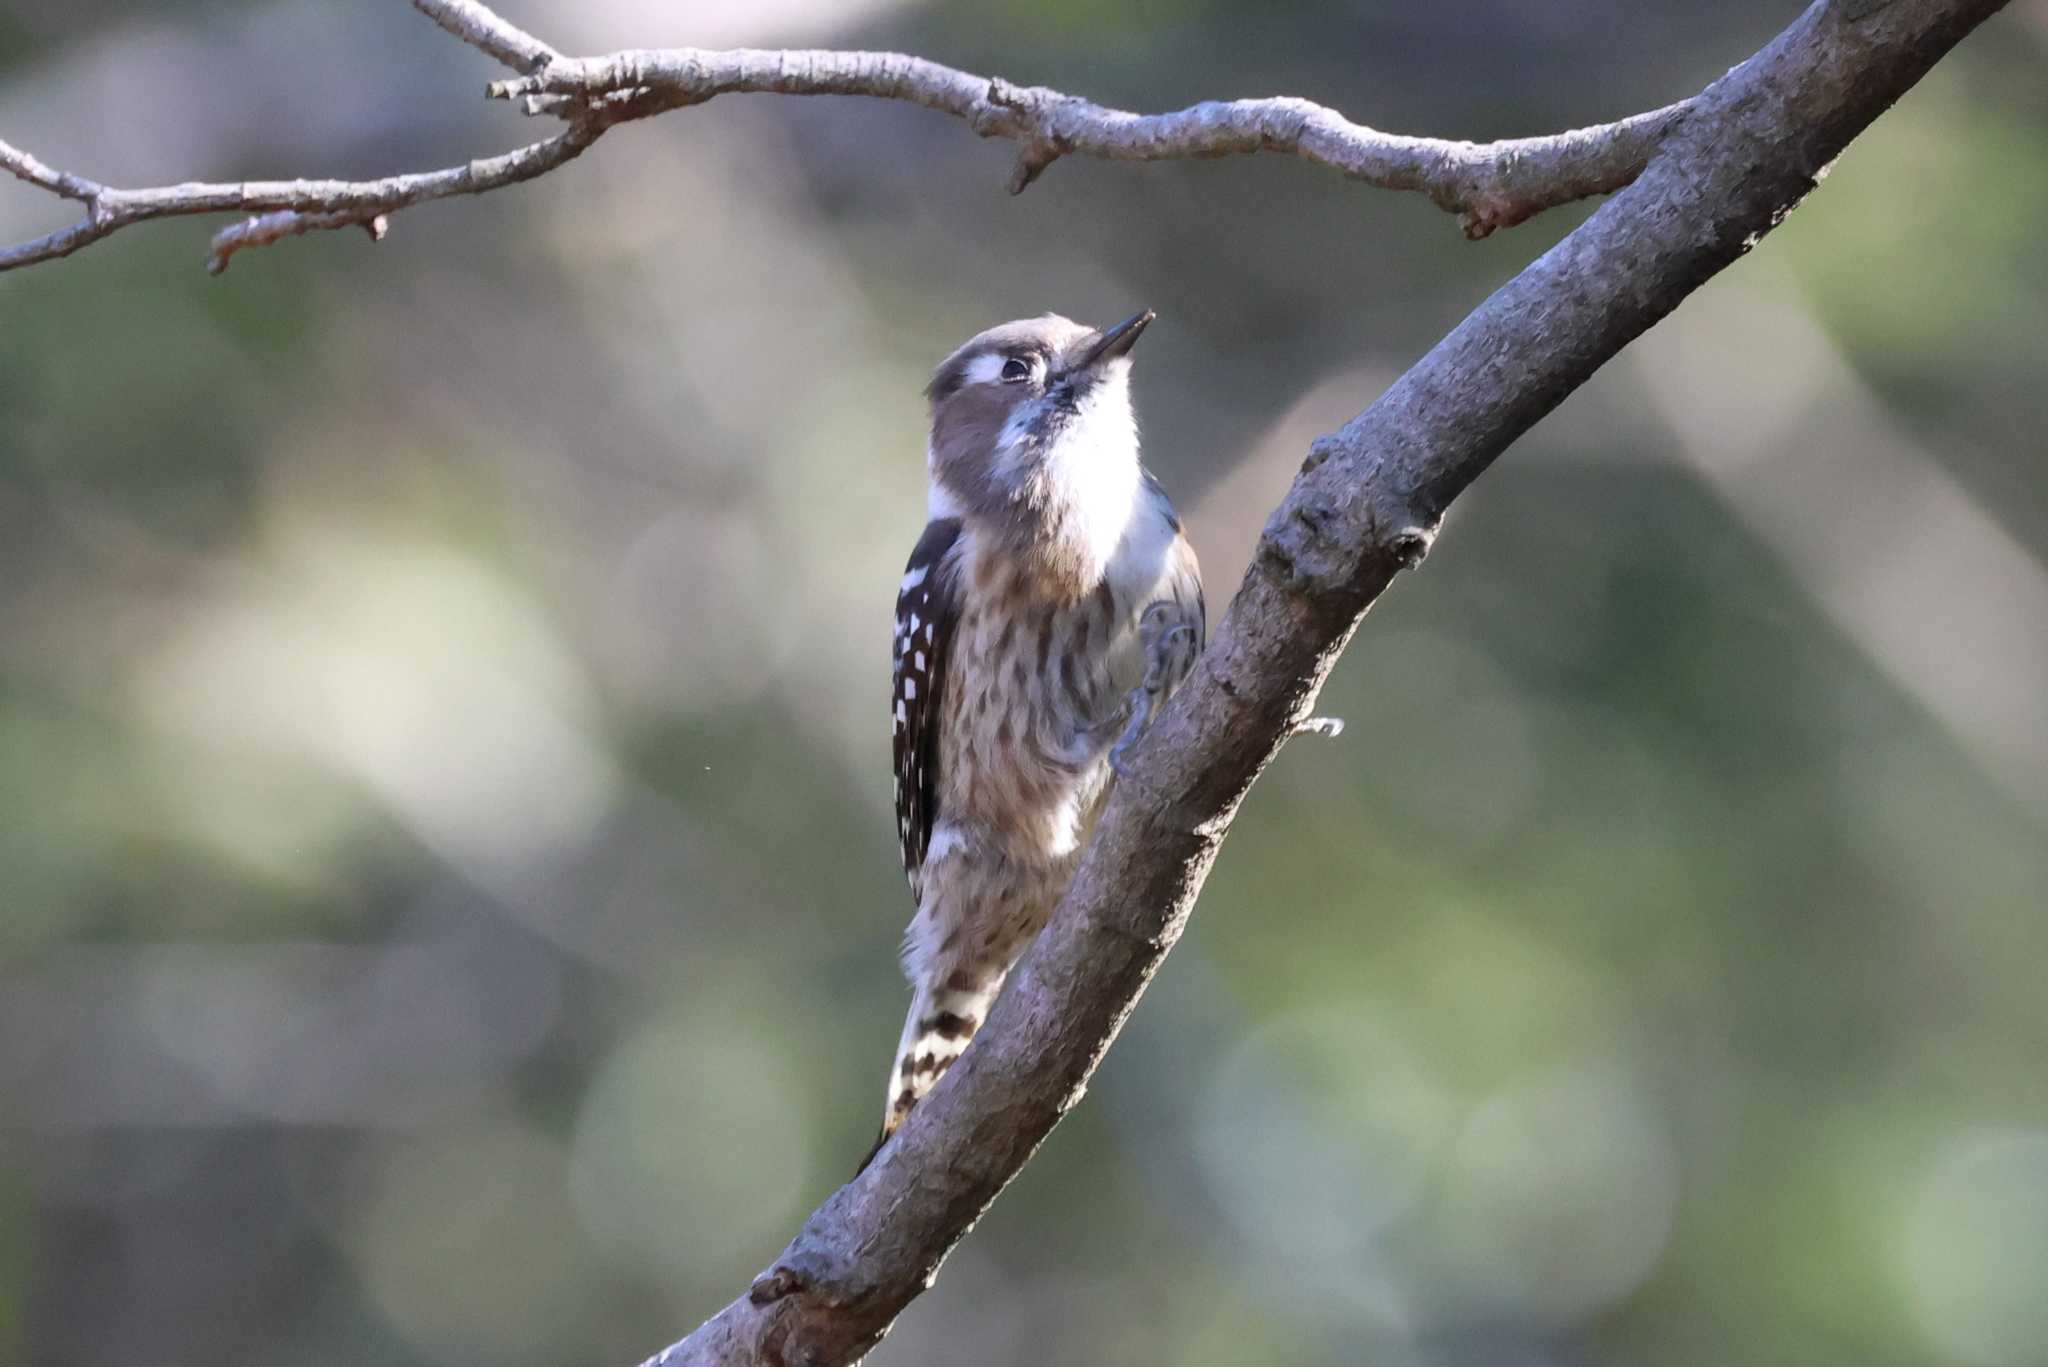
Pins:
x,y
321,203
1488,185
486,31
303,206
1365,506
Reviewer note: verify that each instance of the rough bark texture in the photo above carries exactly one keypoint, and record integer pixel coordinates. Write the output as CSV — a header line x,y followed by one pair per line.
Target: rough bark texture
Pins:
x,y
1366,505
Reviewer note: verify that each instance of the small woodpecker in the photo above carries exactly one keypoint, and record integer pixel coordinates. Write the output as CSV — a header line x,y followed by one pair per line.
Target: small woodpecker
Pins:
x,y
1049,609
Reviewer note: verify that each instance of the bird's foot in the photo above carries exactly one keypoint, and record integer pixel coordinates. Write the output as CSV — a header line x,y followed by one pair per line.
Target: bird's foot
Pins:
x,y
1166,664
1139,705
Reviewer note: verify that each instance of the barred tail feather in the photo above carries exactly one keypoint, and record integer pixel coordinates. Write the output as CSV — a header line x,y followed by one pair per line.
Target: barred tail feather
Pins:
x,y
942,1020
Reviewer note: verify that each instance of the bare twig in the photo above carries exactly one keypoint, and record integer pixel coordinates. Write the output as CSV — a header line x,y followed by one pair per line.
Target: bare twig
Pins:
x,y
485,30
1488,185
1365,506
264,229
320,203
60,183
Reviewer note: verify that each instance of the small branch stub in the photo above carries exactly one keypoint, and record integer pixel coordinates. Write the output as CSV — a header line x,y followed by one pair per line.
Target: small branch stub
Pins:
x,y
1031,164
1411,545
773,1285
264,229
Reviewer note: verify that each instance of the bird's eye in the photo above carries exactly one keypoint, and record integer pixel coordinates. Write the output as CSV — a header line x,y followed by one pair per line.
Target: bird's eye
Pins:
x,y
1016,368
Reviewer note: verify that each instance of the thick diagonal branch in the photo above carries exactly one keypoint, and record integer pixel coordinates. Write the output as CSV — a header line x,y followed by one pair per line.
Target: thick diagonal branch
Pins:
x,y
1366,505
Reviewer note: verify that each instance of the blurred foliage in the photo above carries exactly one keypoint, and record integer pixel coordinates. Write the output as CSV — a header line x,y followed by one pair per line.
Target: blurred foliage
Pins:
x,y
444,842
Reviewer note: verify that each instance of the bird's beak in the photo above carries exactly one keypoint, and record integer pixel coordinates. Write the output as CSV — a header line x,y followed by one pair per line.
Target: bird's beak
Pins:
x,y
1114,342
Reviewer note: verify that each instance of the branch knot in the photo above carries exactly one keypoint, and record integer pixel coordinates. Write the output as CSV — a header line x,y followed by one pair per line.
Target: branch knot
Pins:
x,y
1411,545
775,1284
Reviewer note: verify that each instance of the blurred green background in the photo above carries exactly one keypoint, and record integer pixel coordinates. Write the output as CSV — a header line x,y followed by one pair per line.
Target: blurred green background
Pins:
x,y
448,893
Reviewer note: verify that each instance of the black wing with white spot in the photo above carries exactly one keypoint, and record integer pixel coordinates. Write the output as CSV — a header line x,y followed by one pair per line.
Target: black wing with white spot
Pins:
x,y
927,606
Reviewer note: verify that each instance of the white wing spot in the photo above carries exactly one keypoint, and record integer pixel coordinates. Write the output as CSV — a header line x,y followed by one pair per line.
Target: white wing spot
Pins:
x,y
910,690
945,840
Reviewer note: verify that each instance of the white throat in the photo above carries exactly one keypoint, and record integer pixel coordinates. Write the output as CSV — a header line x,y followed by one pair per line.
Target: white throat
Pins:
x,y
1086,488
1092,472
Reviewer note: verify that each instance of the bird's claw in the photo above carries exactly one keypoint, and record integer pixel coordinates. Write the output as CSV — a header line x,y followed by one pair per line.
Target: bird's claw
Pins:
x,y
1161,662
1139,705
1164,667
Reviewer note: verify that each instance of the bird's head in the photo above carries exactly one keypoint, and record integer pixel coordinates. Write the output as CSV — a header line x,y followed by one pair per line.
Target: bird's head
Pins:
x,y
1030,413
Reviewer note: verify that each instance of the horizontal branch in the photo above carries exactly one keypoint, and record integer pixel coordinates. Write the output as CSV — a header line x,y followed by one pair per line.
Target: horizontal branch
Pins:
x,y
1366,505
291,207
323,203
1488,185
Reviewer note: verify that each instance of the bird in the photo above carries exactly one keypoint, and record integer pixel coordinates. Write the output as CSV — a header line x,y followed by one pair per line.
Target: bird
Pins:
x,y
1048,610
